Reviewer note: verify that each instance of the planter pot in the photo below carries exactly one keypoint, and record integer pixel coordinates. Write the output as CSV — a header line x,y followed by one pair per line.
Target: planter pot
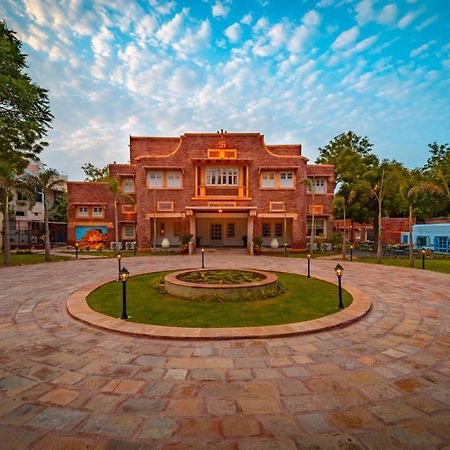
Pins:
x,y
274,243
165,243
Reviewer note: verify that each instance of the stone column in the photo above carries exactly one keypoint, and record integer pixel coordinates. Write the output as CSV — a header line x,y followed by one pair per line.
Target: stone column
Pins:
x,y
250,221
193,231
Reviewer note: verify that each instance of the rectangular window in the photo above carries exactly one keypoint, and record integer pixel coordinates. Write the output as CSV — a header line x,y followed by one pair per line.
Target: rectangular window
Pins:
x,y
174,179
278,230
177,229
83,211
155,179
20,213
423,241
268,179
97,211
266,229
319,227
39,197
128,231
230,230
286,179
128,185
222,177
319,186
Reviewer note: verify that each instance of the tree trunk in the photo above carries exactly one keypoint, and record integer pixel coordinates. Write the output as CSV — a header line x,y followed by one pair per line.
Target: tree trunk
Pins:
x,y
411,255
6,237
116,226
379,244
344,236
311,240
154,221
46,230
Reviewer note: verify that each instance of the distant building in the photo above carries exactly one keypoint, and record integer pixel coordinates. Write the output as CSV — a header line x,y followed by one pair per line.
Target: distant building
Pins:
x,y
223,188
432,236
27,226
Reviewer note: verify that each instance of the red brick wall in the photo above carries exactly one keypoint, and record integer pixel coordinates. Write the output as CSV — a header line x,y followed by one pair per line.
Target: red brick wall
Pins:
x,y
182,153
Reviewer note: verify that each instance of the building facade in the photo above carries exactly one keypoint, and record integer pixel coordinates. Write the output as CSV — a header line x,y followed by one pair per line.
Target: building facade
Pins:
x,y
27,226
223,188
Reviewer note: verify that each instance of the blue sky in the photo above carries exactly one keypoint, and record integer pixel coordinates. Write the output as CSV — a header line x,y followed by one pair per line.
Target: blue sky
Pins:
x,y
297,71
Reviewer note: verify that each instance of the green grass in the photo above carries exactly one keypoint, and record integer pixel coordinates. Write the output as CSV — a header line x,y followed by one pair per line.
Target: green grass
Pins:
x,y
32,258
434,264
305,299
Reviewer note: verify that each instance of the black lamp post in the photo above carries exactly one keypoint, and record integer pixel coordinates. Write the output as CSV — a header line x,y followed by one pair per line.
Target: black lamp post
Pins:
x,y
203,258
76,249
424,252
351,252
339,271
124,274
285,249
309,265
119,259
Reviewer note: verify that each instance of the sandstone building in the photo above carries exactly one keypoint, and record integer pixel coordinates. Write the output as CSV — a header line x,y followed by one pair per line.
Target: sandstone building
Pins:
x,y
223,188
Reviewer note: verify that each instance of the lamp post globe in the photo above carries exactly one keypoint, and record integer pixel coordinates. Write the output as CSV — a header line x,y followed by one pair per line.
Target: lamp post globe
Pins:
x,y
309,264
119,260
203,258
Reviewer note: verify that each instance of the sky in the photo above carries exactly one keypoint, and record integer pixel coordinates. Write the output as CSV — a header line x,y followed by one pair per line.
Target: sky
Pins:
x,y
296,71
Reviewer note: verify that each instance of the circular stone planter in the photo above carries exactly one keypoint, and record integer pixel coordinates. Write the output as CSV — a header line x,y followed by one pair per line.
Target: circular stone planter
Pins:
x,y
186,289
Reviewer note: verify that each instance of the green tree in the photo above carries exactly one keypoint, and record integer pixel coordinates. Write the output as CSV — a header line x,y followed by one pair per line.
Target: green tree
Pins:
x,y
58,212
341,202
24,107
11,179
94,173
45,182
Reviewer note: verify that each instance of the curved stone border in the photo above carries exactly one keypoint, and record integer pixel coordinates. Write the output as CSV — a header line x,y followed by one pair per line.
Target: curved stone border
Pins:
x,y
78,308
187,289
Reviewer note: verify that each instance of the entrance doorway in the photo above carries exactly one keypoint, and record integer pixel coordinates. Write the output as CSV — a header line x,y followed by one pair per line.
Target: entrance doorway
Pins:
x,y
216,234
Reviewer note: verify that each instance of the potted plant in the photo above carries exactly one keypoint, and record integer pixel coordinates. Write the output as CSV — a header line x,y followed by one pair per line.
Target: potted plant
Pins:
x,y
185,238
257,243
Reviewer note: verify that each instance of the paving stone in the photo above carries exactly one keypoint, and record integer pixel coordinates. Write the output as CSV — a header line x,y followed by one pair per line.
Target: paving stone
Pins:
x,y
263,405
118,425
314,423
158,429
22,414
280,426
142,406
394,412
16,438
221,407
57,419
239,426
353,419
54,442
185,407
59,396
205,427
267,444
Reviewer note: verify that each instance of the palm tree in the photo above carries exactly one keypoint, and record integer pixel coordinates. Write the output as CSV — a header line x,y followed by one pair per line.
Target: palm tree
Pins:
x,y
117,193
45,182
11,180
378,192
424,186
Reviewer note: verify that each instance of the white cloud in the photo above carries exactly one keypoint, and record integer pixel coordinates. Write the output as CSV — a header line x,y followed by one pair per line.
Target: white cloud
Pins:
x,y
346,38
247,19
146,28
56,53
388,14
407,19
311,18
193,41
361,46
261,25
299,39
419,50
233,32
169,31
277,35
364,12
101,42
36,38
164,7
35,9
427,22
220,10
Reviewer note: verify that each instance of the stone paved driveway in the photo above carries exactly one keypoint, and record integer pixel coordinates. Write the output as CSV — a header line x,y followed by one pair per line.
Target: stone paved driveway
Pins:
x,y
380,383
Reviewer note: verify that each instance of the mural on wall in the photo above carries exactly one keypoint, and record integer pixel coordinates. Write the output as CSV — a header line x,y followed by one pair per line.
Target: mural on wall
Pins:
x,y
93,237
